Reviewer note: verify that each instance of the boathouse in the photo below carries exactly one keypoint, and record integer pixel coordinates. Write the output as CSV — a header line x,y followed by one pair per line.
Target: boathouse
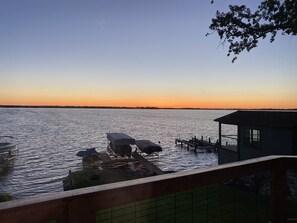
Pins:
x,y
259,133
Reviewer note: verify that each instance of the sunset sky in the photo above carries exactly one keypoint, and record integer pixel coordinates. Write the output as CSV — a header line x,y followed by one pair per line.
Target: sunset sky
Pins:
x,y
136,53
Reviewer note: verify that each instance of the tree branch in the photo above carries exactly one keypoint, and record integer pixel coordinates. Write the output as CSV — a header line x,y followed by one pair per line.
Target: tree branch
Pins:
x,y
242,29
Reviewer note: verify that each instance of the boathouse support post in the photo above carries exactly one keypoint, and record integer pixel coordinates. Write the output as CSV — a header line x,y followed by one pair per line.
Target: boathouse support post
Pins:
x,y
220,134
279,192
238,142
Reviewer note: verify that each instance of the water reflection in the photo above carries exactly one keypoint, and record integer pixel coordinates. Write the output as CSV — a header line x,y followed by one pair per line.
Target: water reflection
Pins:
x,y
48,140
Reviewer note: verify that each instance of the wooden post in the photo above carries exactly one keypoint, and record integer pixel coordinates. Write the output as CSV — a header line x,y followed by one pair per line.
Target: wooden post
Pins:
x,y
238,142
279,192
220,134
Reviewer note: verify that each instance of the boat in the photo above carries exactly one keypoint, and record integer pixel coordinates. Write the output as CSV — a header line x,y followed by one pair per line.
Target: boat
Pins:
x,y
120,144
148,147
90,158
8,149
87,152
113,165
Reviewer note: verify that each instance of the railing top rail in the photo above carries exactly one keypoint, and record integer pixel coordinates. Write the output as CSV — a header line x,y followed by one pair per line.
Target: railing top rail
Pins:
x,y
149,187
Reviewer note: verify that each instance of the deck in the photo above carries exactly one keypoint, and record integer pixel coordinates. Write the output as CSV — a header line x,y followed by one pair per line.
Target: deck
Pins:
x,y
192,196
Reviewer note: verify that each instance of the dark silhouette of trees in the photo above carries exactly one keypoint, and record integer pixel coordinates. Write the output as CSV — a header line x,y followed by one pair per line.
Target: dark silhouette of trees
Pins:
x,y
242,28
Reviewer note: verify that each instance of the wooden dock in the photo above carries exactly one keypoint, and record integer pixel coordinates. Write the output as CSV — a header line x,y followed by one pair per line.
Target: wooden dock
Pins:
x,y
104,157
197,144
106,160
148,165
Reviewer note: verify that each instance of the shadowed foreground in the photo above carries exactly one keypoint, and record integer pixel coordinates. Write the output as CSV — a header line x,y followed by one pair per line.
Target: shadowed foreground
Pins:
x,y
192,196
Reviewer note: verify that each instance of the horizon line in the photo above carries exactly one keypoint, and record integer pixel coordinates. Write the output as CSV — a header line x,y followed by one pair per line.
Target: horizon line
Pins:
x,y
135,107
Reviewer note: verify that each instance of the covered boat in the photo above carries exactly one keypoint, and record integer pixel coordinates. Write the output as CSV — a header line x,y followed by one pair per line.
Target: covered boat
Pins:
x,y
120,144
148,147
90,158
87,152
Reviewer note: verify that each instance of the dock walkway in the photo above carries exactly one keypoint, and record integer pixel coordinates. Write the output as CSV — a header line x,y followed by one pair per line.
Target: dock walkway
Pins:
x,y
197,144
104,157
106,160
148,165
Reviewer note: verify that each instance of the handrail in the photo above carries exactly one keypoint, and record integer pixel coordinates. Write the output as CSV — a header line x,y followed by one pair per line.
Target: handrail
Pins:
x,y
81,205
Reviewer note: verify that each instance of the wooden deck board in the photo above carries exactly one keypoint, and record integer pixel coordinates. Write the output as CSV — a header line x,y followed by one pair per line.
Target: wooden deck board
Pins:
x,y
104,157
151,167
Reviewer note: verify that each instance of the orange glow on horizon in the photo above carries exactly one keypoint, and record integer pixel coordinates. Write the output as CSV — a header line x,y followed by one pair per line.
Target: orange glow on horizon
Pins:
x,y
164,102
160,98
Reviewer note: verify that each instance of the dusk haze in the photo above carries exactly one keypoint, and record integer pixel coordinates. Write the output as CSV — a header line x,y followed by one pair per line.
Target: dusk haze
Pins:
x,y
135,54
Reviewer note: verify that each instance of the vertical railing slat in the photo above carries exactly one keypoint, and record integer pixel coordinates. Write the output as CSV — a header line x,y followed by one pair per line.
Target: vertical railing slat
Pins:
x,y
279,192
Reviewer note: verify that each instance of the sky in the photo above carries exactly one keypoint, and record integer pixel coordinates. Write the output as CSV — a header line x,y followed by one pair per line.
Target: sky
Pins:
x,y
136,53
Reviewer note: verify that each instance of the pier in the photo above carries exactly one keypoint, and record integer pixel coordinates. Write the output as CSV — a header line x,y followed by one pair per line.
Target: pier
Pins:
x,y
106,160
197,144
102,169
148,165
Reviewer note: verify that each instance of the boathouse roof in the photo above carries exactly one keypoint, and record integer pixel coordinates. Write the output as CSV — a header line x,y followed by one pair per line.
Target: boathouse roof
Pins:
x,y
270,118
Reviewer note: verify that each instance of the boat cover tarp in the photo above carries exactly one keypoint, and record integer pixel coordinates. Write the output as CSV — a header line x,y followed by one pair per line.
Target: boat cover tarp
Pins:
x,y
120,139
148,147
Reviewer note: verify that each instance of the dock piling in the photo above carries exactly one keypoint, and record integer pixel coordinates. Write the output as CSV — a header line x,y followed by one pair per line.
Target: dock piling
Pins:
x,y
195,143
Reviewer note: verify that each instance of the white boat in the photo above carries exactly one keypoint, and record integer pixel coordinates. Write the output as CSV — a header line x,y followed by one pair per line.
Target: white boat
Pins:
x,y
8,149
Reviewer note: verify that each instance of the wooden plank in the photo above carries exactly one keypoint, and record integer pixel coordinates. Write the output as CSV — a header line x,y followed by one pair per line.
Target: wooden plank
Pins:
x,y
107,160
104,157
151,167
120,161
35,212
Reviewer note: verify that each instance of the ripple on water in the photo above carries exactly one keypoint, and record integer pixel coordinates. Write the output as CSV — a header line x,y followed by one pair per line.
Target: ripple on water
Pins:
x,y
48,140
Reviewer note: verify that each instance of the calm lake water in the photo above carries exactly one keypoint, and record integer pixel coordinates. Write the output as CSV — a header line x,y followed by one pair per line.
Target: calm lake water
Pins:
x,y
48,140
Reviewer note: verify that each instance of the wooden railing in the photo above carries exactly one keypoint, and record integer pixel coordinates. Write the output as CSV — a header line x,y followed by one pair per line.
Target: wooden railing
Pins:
x,y
82,205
